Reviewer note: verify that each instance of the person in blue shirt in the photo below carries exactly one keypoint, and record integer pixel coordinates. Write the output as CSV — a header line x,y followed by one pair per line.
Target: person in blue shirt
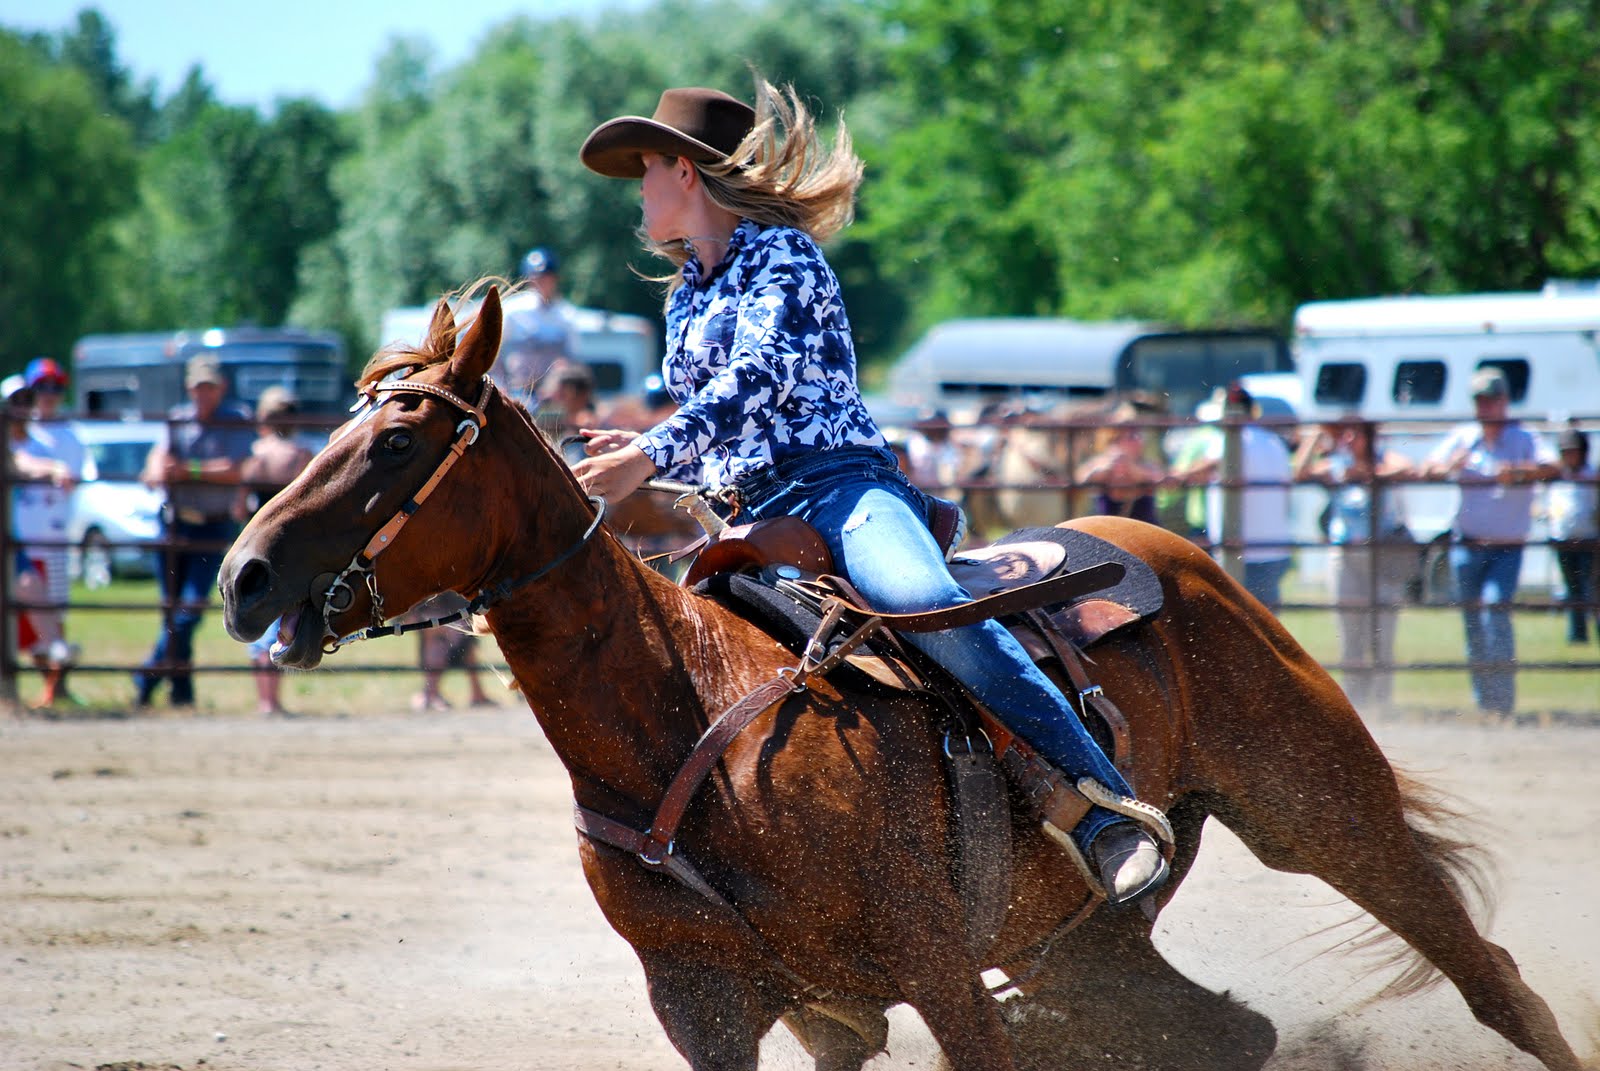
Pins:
x,y
760,359
1494,462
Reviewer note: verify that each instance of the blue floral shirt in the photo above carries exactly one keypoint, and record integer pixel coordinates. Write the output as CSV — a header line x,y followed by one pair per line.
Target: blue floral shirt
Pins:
x,y
760,361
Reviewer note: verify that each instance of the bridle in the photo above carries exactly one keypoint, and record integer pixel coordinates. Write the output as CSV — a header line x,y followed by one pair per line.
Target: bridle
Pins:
x,y
341,593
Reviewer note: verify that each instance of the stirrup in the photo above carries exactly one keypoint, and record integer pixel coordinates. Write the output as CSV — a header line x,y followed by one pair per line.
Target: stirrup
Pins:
x,y
1143,813
1147,816
1068,845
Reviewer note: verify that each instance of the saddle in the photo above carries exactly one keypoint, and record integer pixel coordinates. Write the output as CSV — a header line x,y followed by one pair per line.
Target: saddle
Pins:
x,y
1058,590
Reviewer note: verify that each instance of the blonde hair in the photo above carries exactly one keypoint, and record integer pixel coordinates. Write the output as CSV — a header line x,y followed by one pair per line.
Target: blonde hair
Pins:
x,y
778,176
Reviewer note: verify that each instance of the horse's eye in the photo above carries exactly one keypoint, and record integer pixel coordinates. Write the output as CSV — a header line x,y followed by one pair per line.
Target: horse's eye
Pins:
x,y
398,442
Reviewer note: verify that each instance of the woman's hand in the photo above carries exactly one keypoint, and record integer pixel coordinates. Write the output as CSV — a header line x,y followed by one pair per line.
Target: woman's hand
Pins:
x,y
598,441
619,468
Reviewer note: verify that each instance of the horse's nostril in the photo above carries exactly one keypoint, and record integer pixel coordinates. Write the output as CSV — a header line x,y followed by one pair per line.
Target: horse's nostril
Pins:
x,y
251,582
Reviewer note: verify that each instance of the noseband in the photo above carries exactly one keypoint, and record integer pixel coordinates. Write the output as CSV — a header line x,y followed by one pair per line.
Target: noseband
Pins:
x,y
341,593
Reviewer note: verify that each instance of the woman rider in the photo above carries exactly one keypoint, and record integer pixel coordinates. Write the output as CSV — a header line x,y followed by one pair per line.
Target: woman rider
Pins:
x,y
760,359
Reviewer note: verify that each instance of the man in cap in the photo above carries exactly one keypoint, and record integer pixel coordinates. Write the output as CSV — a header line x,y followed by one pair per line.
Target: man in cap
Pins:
x,y
1495,462
199,465
539,327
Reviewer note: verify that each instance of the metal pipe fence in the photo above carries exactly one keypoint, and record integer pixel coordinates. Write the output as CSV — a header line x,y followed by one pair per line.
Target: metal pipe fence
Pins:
x,y
1059,447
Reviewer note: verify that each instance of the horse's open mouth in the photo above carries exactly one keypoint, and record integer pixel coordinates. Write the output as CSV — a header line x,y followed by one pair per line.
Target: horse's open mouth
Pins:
x,y
299,642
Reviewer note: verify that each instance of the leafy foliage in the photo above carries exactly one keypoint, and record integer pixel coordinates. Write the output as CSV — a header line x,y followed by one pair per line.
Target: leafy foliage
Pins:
x,y
1199,164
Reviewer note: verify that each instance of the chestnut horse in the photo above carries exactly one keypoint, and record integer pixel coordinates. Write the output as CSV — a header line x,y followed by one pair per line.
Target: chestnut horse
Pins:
x,y
826,824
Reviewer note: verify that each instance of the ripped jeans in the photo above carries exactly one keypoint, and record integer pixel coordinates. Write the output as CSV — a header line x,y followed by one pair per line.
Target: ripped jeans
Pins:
x,y
871,518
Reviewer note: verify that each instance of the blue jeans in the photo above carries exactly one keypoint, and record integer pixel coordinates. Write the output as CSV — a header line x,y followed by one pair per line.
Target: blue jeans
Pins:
x,y
872,520
187,579
1264,580
1577,562
1488,574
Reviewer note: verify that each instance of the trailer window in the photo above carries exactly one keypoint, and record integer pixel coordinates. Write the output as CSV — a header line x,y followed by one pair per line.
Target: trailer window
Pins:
x,y
1419,382
1341,383
1516,371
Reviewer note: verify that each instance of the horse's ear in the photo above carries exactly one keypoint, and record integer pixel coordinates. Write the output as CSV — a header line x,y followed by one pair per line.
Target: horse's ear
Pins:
x,y
442,329
481,344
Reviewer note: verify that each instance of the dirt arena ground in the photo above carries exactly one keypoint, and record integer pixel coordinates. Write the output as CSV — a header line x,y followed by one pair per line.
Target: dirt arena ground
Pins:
x,y
403,892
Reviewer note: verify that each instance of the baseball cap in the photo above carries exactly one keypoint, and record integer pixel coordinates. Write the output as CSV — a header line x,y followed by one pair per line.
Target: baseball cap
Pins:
x,y
1490,383
203,369
540,261
44,370
275,401
12,385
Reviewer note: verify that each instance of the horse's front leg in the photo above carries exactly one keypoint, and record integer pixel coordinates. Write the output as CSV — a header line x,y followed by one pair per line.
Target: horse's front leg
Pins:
x,y
715,1017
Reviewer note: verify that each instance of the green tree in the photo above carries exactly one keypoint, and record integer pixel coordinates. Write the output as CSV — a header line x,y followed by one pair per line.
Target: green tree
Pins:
x,y
1224,162
227,205
91,46
68,171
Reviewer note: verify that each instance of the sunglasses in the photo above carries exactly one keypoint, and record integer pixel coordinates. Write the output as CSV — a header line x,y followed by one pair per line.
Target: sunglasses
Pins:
x,y
49,388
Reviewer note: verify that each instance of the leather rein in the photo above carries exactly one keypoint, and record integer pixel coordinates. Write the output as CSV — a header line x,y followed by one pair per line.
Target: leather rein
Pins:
x,y
341,593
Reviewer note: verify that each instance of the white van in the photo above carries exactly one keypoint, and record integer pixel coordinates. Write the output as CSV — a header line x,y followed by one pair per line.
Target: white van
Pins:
x,y
961,364
622,350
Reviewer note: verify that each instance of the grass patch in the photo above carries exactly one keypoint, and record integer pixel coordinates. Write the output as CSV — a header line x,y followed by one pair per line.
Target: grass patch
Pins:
x,y
366,678
381,675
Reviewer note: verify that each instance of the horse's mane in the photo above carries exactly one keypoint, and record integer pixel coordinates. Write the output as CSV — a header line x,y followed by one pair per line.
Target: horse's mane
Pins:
x,y
438,347
440,343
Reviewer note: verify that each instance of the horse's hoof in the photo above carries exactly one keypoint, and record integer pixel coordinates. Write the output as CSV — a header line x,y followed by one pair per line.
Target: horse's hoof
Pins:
x,y
1129,861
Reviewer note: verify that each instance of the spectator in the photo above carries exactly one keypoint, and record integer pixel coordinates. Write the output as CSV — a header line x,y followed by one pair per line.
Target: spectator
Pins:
x,y
199,467
1122,472
1573,507
566,402
1495,462
1181,506
47,455
652,405
936,461
539,328
1373,555
445,647
275,460
1264,509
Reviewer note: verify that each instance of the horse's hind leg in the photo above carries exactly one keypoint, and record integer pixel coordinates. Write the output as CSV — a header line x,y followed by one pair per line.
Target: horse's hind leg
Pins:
x,y
1104,997
1319,798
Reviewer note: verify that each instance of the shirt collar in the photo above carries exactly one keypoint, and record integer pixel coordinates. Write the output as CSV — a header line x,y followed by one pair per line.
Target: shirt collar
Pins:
x,y
743,235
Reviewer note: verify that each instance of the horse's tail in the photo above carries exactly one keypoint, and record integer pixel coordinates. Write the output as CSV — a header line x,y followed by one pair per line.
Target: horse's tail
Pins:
x,y
1435,821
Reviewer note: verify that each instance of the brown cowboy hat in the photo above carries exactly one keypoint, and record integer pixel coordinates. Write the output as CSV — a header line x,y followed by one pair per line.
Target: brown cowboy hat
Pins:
x,y
705,125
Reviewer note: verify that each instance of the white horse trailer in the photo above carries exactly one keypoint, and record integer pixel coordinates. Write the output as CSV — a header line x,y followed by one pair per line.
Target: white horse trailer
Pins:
x,y
1412,358
960,365
1408,362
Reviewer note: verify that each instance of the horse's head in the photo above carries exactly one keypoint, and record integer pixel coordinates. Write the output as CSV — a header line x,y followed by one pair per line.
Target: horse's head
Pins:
x,y
379,521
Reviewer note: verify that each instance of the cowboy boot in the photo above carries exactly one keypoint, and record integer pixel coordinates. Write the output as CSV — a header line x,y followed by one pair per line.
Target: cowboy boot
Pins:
x,y
1129,862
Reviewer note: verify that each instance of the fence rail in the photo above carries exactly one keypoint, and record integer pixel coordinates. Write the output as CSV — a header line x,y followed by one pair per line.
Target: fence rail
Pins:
x,y
1064,444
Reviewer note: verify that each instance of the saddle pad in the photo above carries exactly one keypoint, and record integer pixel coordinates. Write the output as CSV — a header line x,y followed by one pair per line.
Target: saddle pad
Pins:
x,y
1006,565
1137,597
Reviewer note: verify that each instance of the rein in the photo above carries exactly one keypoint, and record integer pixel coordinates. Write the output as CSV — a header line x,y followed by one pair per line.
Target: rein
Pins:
x,y
340,595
